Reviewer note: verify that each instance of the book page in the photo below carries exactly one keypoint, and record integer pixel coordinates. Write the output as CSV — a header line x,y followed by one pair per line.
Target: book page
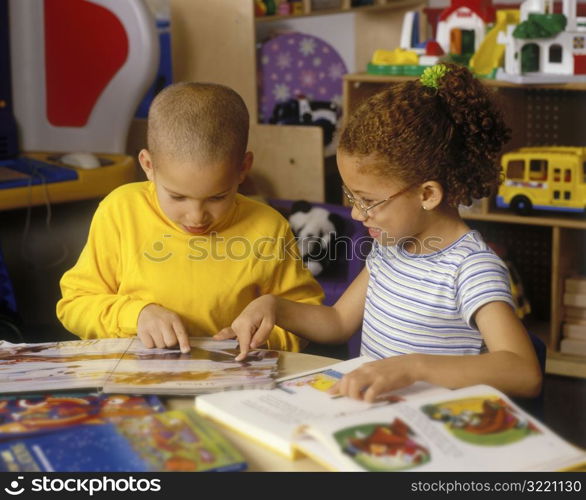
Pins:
x,y
76,364
123,365
470,429
273,416
309,392
341,367
209,367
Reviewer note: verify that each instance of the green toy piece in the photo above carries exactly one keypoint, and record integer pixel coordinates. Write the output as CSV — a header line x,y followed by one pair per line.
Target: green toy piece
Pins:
x,y
541,26
395,69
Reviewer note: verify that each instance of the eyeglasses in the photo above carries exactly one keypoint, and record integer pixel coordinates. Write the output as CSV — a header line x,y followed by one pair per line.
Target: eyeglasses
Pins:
x,y
359,204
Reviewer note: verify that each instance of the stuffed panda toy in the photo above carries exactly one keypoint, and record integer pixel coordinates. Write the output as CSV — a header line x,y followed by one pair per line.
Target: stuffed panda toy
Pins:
x,y
302,111
315,229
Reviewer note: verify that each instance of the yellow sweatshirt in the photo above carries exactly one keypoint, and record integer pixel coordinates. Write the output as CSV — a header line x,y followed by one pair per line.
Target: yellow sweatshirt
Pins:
x,y
136,256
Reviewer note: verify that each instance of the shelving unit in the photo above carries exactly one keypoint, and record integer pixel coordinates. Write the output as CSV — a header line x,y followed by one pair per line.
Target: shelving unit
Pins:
x,y
310,9
546,247
216,41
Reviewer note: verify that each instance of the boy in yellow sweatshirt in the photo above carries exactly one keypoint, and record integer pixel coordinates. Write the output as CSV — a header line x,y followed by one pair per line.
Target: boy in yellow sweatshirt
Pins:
x,y
183,253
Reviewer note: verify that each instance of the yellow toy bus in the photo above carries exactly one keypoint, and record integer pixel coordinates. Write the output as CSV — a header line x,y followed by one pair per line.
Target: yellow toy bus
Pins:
x,y
545,178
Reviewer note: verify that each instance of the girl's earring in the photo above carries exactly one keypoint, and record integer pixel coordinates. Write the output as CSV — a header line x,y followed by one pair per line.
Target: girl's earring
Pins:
x,y
424,207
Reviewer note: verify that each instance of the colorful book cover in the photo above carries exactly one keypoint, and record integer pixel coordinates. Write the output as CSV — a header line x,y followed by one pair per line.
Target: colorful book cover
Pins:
x,y
181,441
178,441
125,366
41,413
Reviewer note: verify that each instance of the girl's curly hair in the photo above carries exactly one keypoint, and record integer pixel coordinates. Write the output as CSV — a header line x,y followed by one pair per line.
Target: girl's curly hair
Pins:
x,y
452,135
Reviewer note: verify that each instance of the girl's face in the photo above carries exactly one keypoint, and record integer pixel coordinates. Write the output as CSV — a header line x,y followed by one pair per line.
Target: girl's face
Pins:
x,y
398,216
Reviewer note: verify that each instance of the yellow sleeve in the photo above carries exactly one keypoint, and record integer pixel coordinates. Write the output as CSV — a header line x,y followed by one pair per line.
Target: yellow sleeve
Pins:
x,y
290,280
90,306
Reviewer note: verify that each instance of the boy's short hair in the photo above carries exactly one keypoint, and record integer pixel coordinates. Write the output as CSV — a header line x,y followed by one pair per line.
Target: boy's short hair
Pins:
x,y
206,121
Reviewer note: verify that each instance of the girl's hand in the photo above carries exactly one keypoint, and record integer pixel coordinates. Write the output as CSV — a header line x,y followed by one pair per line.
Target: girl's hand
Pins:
x,y
378,377
159,327
253,326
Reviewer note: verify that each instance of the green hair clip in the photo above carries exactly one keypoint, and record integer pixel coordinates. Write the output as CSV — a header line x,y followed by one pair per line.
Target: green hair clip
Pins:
x,y
432,75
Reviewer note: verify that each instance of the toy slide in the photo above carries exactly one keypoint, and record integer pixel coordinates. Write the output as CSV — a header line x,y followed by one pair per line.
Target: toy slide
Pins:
x,y
489,55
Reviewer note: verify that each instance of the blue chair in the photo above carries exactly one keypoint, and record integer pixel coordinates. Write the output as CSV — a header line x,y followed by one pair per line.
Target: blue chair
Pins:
x,y
9,320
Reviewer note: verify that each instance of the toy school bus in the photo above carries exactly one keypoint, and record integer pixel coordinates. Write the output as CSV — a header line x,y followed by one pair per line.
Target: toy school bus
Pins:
x,y
545,178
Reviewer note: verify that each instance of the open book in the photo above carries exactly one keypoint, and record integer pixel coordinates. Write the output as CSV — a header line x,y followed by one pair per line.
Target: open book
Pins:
x,y
125,366
272,417
419,428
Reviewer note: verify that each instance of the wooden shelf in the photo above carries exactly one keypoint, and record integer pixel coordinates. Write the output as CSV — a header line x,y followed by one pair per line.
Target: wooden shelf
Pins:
x,y
564,364
390,5
543,219
382,79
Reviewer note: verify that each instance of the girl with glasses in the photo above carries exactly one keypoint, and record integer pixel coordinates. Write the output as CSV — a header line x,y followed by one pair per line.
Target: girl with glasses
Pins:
x,y
434,301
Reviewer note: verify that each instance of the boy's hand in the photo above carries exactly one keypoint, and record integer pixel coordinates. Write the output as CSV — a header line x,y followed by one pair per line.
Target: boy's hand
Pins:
x,y
378,377
159,327
253,326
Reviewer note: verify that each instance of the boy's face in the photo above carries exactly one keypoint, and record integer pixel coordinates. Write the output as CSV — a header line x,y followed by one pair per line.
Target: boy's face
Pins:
x,y
196,197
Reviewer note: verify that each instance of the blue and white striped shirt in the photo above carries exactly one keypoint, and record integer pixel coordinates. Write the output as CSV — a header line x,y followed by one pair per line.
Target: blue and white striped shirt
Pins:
x,y
425,303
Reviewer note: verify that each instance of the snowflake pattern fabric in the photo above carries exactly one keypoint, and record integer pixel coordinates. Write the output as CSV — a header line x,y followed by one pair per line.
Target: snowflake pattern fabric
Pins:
x,y
296,64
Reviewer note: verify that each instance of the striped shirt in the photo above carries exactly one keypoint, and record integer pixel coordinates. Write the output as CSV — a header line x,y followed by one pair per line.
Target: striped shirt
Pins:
x,y
426,303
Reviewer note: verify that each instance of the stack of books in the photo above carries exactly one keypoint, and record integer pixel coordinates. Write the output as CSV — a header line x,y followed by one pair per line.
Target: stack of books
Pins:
x,y
90,432
123,365
119,426
574,326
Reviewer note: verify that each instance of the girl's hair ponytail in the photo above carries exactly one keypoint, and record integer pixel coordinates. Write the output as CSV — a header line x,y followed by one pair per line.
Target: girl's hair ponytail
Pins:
x,y
443,127
480,133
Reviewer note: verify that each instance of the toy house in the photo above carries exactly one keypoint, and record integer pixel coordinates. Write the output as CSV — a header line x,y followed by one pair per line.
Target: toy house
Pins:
x,y
463,25
544,46
460,30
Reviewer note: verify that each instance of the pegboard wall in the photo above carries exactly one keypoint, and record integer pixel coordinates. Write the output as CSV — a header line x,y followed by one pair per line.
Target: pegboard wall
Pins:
x,y
544,117
529,249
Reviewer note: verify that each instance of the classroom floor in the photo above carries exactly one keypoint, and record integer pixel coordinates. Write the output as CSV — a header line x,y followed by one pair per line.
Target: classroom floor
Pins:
x,y
564,409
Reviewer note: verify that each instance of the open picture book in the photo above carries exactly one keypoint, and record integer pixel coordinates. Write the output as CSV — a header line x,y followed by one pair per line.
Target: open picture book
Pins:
x,y
419,428
123,365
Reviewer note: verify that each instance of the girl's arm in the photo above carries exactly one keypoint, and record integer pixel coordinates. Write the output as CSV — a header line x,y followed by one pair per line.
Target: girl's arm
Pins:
x,y
327,325
287,278
510,365
317,323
